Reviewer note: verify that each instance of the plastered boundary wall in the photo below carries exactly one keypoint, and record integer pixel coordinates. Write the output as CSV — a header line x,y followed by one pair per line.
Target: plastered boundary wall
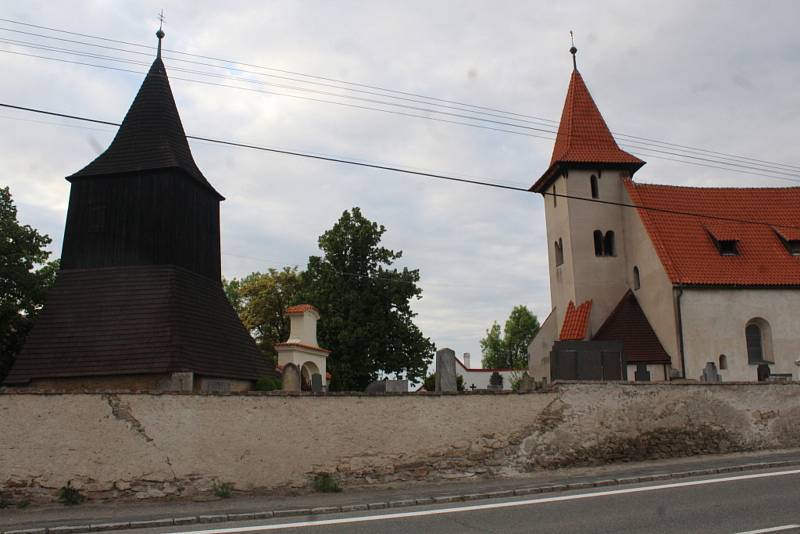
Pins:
x,y
148,445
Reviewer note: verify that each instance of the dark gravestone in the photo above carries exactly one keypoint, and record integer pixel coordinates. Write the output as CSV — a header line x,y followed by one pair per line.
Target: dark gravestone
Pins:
x,y
291,377
446,371
642,374
316,383
710,373
763,372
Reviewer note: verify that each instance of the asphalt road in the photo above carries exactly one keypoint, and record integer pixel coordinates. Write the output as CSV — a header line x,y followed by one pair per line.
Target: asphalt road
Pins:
x,y
747,502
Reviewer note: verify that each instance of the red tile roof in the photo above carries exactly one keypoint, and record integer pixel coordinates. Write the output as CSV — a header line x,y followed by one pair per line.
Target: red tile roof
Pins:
x,y
628,323
583,136
301,308
576,321
689,254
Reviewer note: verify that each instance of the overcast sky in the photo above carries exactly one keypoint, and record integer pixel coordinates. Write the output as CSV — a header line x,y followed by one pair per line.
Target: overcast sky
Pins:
x,y
719,75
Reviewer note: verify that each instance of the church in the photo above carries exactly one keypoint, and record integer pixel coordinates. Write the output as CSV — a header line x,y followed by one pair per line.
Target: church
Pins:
x,y
138,302
684,282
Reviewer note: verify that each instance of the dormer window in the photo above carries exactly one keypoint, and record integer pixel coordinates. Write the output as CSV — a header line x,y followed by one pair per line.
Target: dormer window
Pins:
x,y
725,237
728,247
790,237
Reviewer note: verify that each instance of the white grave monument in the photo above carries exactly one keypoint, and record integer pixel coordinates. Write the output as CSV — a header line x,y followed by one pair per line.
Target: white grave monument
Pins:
x,y
301,348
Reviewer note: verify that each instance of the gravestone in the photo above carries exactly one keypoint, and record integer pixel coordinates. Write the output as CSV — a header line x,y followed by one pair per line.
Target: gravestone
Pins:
x,y
446,371
379,386
526,383
291,377
316,383
710,373
397,386
642,374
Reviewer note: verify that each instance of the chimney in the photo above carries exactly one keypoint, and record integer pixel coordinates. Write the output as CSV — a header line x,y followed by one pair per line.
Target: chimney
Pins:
x,y
466,360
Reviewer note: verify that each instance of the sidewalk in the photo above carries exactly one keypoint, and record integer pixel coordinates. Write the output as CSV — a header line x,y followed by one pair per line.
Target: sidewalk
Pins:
x,y
97,517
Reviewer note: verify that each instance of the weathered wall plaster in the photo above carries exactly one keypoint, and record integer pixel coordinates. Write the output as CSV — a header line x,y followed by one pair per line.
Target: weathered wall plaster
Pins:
x,y
142,445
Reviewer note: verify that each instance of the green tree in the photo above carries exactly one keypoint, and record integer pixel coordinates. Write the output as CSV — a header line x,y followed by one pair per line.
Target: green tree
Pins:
x,y
261,300
25,277
510,350
367,319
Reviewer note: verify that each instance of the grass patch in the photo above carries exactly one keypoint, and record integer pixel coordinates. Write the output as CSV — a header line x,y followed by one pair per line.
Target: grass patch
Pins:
x,y
223,490
326,484
70,496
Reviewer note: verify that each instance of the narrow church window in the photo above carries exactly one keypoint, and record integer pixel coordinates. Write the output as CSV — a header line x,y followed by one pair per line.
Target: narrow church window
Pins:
x,y
595,188
555,196
608,244
598,243
559,247
723,362
636,282
755,352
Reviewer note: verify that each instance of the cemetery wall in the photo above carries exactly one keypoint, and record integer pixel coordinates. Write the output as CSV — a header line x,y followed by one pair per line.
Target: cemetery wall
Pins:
x,y
156,445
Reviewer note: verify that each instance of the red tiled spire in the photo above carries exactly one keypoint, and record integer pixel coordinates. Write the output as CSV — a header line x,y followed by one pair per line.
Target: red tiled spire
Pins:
x,y
583,137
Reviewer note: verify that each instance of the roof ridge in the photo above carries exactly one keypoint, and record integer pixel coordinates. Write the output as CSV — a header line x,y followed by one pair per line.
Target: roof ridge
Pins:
x,y
714,188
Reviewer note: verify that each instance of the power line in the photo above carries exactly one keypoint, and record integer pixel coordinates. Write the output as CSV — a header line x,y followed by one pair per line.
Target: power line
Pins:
x,y
639,139
484,182
654,153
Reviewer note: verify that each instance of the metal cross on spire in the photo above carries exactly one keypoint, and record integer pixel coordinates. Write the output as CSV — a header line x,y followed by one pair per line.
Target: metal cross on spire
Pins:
x,y
160,33
573,50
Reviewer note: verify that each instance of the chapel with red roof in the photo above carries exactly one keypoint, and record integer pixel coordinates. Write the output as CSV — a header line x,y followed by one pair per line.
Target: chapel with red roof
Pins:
x,y
682,277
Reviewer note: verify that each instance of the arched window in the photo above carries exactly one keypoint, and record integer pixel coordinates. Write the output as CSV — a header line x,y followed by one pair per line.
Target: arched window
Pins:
x,y
723,362
758,336
608,244
595,188
598,243
559,252
636,282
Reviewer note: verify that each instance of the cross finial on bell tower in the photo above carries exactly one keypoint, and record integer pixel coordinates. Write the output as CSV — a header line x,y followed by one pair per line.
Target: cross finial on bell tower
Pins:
x,y
160,33
573,50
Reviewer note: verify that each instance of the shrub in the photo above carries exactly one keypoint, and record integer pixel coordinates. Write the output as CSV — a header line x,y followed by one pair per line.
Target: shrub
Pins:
x,y
223,490
430,382
268,383
70,496
496,379
325,483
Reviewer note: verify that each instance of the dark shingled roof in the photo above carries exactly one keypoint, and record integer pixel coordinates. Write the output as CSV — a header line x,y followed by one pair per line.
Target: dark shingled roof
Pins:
x,y
138,320
628,323
151,135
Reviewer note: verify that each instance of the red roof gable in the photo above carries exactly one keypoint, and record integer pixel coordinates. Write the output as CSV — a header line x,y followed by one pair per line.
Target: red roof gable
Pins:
x,y
576,321
685,245
628,323
583,136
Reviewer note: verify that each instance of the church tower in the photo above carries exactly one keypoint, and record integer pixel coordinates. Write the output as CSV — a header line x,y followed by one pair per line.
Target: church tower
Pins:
x,y
138,302
585,239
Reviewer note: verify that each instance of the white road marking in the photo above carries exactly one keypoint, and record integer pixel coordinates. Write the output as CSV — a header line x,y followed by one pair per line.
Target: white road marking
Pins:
x,y
772,529
494,506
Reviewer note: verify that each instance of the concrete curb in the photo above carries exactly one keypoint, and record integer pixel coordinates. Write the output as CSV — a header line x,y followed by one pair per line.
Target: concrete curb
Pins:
x,y
439,499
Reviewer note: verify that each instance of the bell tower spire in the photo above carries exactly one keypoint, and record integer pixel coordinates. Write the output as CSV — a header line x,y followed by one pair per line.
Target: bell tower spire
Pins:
x,y
160,33
573,50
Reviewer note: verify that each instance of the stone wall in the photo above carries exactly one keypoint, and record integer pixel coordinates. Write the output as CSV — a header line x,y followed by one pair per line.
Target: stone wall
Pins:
x,y
143,445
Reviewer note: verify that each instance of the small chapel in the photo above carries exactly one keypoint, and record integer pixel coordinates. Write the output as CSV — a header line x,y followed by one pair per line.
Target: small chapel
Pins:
x,y
138,302
661,282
